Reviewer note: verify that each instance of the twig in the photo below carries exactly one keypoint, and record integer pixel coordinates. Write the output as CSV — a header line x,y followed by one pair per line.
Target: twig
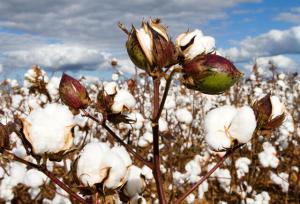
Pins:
x,y
210,172
116,137
47,173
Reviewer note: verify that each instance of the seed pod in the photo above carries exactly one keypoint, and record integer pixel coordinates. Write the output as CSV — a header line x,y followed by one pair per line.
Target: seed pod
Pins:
x,y
210,74
269,111
150,46
72,93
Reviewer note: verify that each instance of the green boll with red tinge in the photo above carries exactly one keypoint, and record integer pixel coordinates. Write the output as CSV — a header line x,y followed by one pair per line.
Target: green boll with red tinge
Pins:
x,y
210,74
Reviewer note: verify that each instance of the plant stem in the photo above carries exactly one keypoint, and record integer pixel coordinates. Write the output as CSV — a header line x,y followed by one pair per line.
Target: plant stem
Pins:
x,y
47,173
166,91
118,139
210,172
155,128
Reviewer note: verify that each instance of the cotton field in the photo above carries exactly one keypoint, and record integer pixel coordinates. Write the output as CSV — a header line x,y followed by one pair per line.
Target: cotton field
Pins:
x,y
85,157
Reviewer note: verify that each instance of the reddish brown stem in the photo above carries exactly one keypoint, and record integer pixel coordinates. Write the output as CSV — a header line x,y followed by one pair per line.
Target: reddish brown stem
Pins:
x,y
155,128
116,137
210,172
47,173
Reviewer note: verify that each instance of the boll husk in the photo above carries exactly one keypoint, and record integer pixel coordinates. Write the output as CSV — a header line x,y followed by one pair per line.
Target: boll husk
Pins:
x,y
150,47
269,111
210,74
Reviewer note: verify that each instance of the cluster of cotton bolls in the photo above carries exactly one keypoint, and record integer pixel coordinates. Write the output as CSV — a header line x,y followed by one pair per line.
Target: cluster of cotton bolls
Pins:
x,y
194,128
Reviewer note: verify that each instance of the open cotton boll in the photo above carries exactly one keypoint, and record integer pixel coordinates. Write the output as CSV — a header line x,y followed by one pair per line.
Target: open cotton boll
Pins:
x,y
163,125
138,118
48,129
282,179
135,183
117,170
242,166
89,165
267,158
138,200
184,116
202,189
34,178
123,99
190,198
243,124
225,124
111,88
214,124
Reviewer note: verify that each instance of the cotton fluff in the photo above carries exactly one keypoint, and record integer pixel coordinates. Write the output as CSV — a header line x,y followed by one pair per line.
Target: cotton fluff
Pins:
x,y
48,129
190,198
135,184
123,99
202,189
262,198
242,166
282,179
110,164
267,157
111,88
184,116
34,178
225,124
89,166
201,43
193,169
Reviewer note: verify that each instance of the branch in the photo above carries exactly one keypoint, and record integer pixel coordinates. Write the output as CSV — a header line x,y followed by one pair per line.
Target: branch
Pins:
x,y
47,173
118,139
166,91
210,172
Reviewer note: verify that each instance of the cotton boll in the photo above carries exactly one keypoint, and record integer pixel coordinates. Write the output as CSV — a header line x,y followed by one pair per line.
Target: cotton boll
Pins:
x,y
111,88
142,142
34,178
184,116
190,198
147,172
282,179
243,125
117,170
123,99
49,129
224,179
17,172
267,158
163,125
214,124
135,183
202,189
242,166
122,152
89,165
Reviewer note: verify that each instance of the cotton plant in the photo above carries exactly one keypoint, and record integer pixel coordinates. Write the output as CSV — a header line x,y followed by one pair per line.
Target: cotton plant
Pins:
x,y
116,149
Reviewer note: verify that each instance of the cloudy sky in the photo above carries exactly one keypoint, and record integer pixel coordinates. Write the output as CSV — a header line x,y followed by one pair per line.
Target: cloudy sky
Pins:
x,y
81,37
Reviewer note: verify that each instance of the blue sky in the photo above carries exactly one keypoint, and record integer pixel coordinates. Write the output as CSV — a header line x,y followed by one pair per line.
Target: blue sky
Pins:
x,y
81,37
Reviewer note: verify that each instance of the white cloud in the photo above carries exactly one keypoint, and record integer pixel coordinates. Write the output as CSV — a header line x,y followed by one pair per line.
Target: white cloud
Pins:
x,y
280,61
274,42
58,56
292,16
1,68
